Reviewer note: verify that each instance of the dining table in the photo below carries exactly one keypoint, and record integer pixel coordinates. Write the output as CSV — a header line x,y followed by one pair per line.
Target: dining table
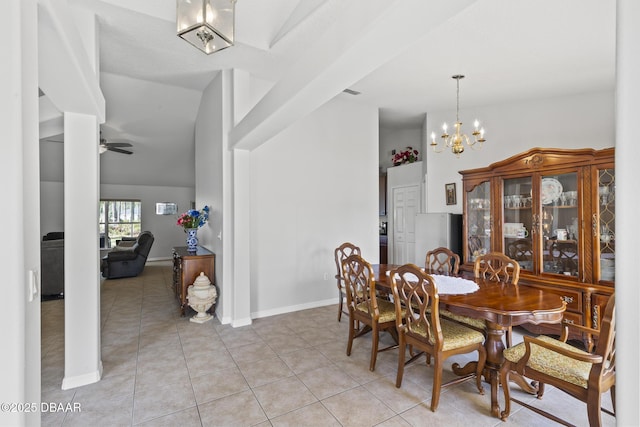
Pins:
x,y
500,305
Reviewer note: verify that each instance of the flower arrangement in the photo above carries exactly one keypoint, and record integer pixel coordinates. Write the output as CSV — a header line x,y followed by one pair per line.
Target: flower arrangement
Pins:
x,y
194,218
409,155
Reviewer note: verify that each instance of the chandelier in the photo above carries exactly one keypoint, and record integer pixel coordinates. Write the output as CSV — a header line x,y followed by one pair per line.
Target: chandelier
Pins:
x,y
206,24
457,141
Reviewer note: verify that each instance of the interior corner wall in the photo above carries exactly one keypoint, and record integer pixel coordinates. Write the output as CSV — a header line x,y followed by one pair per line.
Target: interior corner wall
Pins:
x,y
210,158
398,139
578,121
313,187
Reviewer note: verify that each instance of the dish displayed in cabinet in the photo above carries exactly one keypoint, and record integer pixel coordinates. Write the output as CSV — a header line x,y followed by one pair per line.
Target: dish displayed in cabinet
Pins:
x,y
550,190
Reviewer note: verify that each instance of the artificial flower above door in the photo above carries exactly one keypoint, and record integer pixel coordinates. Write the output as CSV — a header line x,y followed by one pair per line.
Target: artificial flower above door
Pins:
x,y
408,155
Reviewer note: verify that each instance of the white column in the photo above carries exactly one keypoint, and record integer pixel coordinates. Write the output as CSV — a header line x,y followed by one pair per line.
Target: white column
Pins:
x,y
83,364
241,238
627,155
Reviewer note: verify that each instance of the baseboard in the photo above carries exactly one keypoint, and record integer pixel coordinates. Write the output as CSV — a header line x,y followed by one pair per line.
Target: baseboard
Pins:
x,y
84,379
280,310
160,259
241,322
292,308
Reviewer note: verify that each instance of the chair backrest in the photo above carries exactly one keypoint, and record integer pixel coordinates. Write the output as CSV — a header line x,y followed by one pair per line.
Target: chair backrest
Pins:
x,y
415,292
442,261
520,250
359,284
606,346
497,267
341,253
143,243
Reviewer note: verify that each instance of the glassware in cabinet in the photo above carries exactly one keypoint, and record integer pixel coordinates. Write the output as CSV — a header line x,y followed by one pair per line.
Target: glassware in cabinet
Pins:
x,y
517,221
478,224
559,198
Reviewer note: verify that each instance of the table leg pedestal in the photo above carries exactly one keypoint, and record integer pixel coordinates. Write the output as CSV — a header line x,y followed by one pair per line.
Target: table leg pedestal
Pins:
x,y
494,346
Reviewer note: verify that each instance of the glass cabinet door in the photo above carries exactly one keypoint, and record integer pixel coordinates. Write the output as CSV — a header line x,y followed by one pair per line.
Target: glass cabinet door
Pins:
x,y
517,221
560,224
605,226
478,221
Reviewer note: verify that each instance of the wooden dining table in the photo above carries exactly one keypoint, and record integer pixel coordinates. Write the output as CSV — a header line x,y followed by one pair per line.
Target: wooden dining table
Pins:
x,y
501,306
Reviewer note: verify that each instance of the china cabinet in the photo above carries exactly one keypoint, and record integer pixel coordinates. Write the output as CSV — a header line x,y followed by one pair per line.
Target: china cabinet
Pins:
x,y
553,211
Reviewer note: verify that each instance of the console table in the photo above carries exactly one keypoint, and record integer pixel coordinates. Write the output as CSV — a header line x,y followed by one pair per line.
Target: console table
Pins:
x,y
187,266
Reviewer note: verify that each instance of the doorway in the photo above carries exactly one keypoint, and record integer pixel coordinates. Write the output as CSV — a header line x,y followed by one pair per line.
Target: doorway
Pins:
x,y
406,203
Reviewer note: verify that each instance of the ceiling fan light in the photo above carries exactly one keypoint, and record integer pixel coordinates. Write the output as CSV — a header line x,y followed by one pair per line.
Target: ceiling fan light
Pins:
x,y
102,149
206,24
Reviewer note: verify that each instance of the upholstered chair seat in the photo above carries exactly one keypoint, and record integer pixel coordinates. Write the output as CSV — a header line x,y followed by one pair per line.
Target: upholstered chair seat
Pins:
x,y
477,324
552,363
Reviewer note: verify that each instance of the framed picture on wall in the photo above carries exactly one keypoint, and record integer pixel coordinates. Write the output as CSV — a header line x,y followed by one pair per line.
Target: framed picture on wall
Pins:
x,y
450,193
166,208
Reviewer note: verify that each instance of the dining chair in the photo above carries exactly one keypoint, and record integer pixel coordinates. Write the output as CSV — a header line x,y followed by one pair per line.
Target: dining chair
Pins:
x,y
520,250
367,311
497,267
582,375
414,292
340,254
442,261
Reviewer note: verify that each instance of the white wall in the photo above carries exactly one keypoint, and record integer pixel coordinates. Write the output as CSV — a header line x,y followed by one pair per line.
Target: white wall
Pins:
x,y
20,336
580,121
165,231
627,154
52,205
314,186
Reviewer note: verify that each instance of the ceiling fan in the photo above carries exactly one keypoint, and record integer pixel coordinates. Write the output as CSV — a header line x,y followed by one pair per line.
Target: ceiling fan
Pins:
x,y
115,145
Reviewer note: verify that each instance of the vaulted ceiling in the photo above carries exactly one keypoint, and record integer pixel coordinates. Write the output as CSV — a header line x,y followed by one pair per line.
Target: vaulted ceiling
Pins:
x,y
400,54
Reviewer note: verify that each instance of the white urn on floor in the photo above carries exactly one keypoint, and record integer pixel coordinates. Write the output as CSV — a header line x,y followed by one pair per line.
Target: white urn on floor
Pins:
x,y
201,296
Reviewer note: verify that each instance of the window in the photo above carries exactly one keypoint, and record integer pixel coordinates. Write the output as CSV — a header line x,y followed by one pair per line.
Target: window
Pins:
x,y
118,219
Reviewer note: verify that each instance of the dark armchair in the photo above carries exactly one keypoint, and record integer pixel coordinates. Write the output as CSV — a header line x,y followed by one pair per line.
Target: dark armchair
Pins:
x,y
127,261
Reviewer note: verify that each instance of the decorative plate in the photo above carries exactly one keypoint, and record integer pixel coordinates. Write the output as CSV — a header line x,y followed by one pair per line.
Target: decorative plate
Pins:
x,y
550,191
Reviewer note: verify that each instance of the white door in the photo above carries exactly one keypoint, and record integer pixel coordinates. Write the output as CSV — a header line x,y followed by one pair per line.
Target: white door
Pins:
x,y
406,203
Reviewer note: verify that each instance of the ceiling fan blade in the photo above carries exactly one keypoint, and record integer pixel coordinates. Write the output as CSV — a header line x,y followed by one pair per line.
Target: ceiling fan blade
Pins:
x,y
119,150
117,144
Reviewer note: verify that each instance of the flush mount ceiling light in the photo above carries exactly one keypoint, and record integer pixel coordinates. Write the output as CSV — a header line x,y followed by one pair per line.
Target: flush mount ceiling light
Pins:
x,y
457,141
206,24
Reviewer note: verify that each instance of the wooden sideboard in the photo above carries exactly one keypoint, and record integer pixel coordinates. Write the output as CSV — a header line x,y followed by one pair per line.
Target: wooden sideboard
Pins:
x,y
187,266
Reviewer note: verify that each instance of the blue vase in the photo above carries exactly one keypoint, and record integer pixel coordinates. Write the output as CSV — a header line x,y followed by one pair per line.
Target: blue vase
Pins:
x,y
192,239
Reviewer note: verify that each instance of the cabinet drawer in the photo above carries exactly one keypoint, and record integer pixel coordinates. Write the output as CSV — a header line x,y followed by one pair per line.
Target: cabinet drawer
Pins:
x,y
573,318
572,297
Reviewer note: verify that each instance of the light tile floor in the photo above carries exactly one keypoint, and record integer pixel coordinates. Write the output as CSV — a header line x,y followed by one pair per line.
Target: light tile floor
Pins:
x,y
287,370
